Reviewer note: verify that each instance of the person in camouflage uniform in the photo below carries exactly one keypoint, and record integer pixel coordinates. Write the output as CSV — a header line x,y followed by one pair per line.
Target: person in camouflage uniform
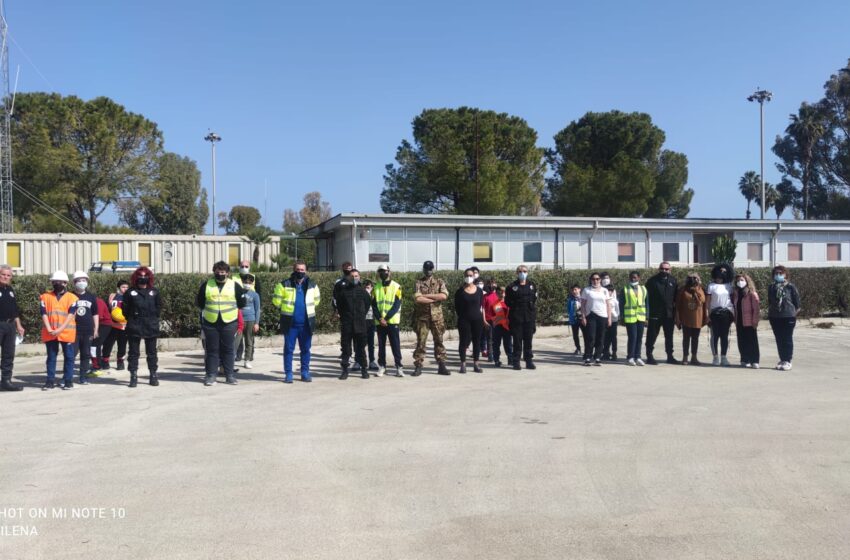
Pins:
x,y
429,294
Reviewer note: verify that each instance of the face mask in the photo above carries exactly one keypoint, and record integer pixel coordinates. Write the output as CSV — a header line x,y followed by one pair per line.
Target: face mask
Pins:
x,y
355,281
522,276
249,287
244,269
219,277
481,285
384,274
142,280
634,284
299,275
742,283
428,273
665,273
606,281
779,278
468,279
58,288
346,273
81,286
475,275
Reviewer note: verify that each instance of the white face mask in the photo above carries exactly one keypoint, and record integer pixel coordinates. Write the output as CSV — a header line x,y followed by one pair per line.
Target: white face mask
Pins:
x,y
469,279
481,285
606,281
244,270
82,285
742,283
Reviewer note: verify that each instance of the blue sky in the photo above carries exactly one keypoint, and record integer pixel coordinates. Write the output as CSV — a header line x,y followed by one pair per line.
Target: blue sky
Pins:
x,y
318,95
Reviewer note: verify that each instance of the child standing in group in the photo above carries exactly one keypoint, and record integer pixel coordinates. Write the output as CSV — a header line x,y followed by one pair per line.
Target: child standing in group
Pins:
x,y
609,347
251,317
574,315
368,285
501,329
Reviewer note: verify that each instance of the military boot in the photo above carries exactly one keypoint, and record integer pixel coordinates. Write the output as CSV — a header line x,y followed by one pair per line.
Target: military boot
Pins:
x,y
442,369
154,380
134,379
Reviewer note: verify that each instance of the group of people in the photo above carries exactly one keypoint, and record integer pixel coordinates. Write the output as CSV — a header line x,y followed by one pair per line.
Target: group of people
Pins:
x,y
489,318
660,305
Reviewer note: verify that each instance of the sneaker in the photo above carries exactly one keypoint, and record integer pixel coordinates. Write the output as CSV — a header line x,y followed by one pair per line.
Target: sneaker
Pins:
x,y
287,377
715,361
68,385
373,366
587,363
399,371
577,352
477,369
685,362
755,365
462,368
779,365
651,361
83,381
49,384
95,373
230,381
248,365
640,362
724,362
672,360
209,381
786,366
381,371
746,365
497,363
631,362
597,363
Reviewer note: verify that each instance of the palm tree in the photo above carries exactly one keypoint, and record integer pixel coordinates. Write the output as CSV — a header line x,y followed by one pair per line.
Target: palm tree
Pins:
x,y
786,195
750,185
259,236
770,197
797,149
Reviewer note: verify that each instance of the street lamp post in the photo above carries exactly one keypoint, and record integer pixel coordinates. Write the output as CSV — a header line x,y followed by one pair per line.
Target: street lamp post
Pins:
x,y
212,138
761,95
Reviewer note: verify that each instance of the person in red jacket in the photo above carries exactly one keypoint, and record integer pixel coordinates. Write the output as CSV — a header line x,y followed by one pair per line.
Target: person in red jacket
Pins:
x,y
501,330
745,300
98,364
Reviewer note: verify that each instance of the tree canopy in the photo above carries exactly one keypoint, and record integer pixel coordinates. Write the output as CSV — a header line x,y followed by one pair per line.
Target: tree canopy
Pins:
x,y
240,219
612,164
78,157
466,161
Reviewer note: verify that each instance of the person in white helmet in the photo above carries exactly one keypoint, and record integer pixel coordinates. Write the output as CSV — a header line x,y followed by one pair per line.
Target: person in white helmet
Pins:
x,y
58,312
88,323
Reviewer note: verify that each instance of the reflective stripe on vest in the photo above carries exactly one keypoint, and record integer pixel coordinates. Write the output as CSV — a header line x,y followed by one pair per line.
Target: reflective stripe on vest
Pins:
x,y
500,315
385,297
221,302
634,304
285,294
57,312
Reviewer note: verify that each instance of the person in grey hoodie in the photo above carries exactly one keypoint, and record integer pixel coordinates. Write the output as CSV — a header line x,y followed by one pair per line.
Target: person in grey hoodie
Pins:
x,y
783,306
251,318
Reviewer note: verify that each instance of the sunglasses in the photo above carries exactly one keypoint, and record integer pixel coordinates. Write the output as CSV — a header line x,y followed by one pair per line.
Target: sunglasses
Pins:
x,y
665,269
595,278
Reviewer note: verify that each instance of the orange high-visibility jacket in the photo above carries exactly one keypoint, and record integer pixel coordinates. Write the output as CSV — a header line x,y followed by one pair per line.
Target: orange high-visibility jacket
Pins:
x,y
57,310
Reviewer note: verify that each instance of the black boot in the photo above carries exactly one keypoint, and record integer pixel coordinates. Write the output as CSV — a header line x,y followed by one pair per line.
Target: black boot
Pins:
x,y
442,369
134,380
516,365
6,385
650,360
529,364
417,371
344,374
364,373
154,380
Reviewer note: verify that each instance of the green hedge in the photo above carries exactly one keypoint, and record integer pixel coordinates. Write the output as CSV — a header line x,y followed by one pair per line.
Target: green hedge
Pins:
x,y
824,291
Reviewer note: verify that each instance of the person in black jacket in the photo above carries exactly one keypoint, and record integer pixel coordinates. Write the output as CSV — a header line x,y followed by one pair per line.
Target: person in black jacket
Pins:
x,y
353,302
660,302
142,306
521,299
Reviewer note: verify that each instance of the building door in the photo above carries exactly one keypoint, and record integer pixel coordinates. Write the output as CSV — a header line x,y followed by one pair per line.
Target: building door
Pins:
x,y
234,254
145,254
109,252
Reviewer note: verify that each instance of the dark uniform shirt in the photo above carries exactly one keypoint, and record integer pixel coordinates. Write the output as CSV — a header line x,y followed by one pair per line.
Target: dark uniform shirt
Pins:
x,y
86,310
522,302
8,304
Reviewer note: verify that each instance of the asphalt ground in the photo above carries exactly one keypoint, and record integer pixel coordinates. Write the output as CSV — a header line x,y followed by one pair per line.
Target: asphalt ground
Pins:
x,y
563,462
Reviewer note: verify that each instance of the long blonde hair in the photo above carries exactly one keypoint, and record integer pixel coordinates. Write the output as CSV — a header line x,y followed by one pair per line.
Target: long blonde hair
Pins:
x,y
750,284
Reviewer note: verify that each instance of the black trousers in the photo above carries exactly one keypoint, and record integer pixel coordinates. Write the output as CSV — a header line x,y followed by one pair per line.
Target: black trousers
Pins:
x,y
522,333
594,336
348,336
370,340
783,331
8,333
609,348
135,343
748,344
656,324
690,340
577,328
103,333
469,331
391,332
220,347
84,344
120,336
720,322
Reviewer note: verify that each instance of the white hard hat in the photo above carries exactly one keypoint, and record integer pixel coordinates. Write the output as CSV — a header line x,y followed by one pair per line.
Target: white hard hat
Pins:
x,y
80,274
59,276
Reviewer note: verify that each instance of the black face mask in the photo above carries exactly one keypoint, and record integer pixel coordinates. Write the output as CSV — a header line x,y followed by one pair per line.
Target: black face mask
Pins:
x,y
384,274
299,275
142,281
220,276
428,273
58,288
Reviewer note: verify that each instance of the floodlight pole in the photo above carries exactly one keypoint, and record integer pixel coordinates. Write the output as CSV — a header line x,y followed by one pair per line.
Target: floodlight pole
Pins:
x,y
761,96
212,138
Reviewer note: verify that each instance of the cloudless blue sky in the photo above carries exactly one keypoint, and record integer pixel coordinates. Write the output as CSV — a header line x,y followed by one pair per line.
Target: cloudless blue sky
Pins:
x,y
318,95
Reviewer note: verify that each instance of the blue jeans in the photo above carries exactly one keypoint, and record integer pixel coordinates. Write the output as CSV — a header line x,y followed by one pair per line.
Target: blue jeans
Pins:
x,y
305,339
634,333
69,350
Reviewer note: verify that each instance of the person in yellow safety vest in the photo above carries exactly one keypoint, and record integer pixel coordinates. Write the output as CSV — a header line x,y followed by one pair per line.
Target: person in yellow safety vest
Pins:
x,y
58,313
219,299
386,309
297,298
633,313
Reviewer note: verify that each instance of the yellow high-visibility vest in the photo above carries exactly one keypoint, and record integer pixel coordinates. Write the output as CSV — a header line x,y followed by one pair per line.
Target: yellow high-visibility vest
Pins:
x,y
385,297
221,302
634,304
284,298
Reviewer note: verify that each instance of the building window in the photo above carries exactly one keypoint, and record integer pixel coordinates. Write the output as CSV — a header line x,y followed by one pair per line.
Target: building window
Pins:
x,y
482,251
833,251
379,251
13,254
626,252
670,252
234,253
145,254
795,251
532,252
109,252
755,252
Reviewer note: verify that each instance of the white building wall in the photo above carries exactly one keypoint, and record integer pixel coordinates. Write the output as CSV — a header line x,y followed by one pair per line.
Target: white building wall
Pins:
x,y
814,248
684,240
755,238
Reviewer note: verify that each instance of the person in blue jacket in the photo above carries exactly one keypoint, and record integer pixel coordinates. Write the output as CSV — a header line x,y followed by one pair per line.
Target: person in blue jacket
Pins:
x,y
574,315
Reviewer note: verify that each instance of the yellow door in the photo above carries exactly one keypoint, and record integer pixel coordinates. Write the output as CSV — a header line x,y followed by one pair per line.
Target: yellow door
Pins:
x,y
13,254
109,252
234,254
145,254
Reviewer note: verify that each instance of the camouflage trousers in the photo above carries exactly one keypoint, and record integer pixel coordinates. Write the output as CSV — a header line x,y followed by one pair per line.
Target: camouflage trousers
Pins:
x,y
436,326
